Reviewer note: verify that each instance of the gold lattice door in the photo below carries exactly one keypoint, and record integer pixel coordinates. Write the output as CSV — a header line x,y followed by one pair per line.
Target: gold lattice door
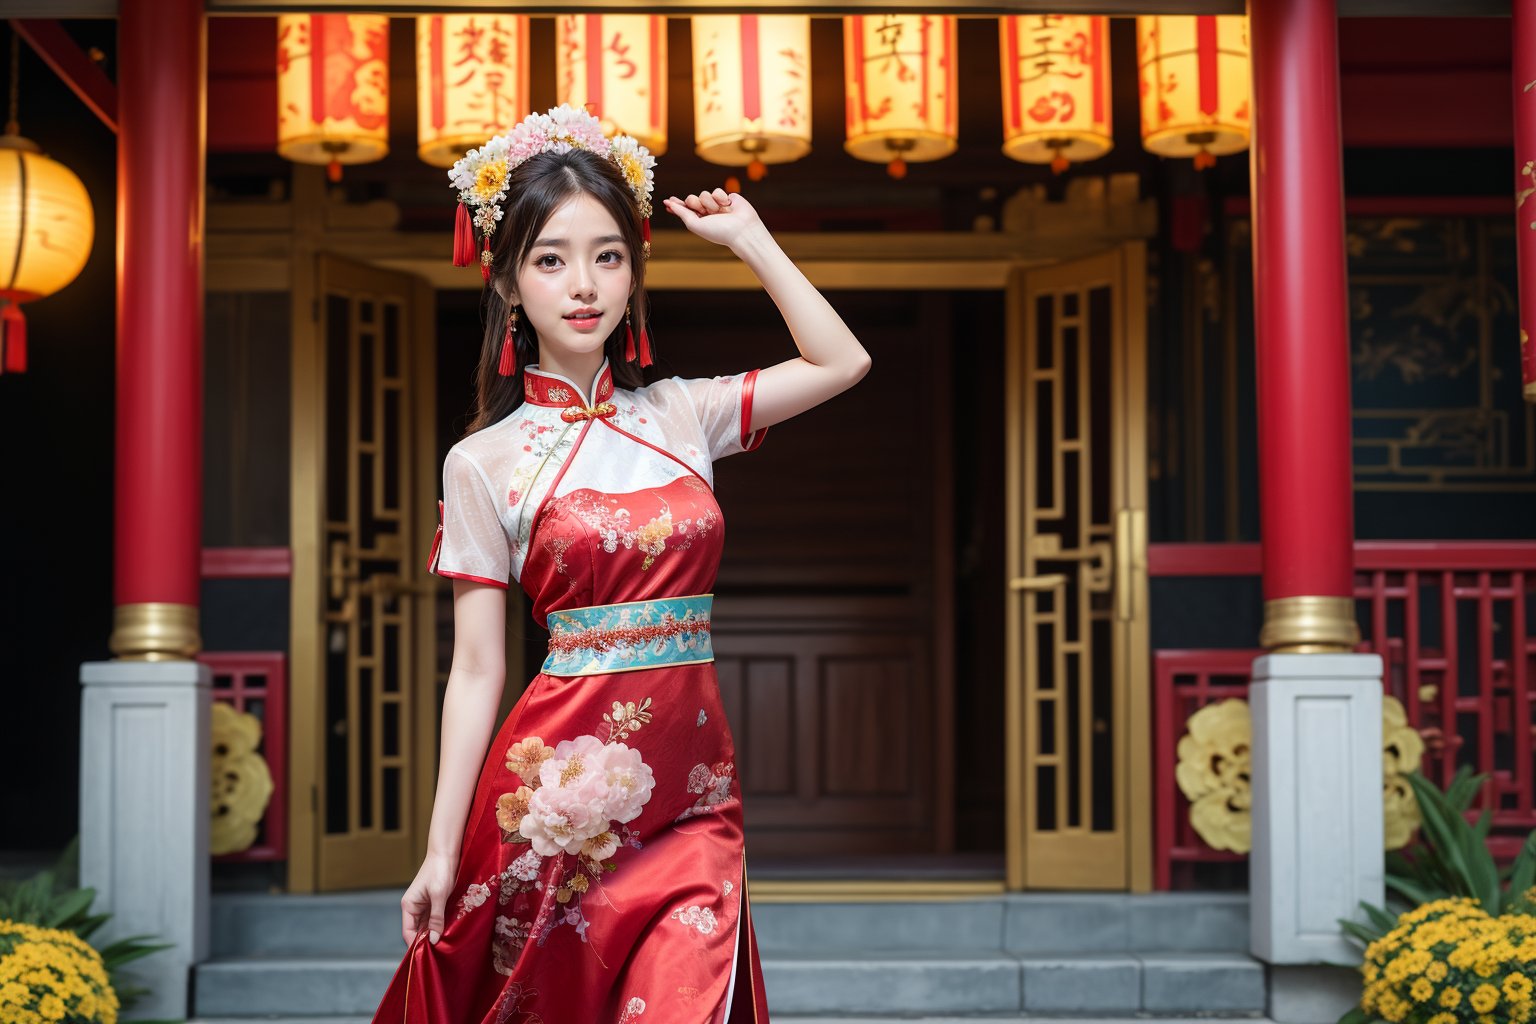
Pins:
x,y
363,635
1079,800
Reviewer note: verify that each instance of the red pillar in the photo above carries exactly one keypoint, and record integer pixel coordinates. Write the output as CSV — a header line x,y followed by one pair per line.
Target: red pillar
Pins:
x,y
158,514
1523,28
1301,313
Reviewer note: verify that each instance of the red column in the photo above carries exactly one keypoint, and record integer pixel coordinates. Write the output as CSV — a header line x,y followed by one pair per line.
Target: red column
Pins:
x,y
158,514
1523,28
1301,313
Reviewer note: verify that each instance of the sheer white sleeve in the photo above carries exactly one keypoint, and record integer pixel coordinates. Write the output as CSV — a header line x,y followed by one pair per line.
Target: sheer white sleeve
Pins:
x,y
723,406
471,541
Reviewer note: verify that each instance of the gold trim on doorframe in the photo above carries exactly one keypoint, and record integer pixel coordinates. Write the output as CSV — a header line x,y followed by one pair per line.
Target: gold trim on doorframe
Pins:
x,y
1309,625
155,631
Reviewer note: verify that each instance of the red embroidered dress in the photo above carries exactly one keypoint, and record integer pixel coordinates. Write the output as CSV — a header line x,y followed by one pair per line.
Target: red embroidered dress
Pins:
x,y
602,874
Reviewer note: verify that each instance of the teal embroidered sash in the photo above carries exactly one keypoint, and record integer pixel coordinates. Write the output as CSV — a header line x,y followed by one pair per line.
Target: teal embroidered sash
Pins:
x,y
603,638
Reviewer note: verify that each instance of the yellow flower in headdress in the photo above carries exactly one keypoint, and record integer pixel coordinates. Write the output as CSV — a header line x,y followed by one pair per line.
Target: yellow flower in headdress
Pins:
x,y
490,178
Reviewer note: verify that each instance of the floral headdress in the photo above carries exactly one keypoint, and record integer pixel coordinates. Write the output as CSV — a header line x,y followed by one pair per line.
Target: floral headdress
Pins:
x,y
480,176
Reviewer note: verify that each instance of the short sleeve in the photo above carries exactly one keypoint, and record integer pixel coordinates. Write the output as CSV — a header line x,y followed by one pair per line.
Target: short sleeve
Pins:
x,y
723,406
471,543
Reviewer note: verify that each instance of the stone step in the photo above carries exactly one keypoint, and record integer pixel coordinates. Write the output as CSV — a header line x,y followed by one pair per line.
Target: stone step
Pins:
x,y
367,923
945,982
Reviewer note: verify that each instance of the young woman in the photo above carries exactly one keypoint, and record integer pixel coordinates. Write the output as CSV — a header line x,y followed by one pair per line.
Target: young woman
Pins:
x,y
590,867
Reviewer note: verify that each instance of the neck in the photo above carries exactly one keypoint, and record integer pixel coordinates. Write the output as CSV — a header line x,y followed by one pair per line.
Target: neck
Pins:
x,y
579,367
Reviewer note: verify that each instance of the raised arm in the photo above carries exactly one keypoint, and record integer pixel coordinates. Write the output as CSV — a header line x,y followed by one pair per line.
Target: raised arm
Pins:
x,y
831,359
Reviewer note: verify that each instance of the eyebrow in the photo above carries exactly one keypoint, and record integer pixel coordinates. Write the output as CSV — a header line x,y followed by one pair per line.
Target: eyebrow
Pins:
x,y
565,241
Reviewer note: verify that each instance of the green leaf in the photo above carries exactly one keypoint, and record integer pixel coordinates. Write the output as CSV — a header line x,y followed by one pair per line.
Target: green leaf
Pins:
x,y
1416,893
1522,874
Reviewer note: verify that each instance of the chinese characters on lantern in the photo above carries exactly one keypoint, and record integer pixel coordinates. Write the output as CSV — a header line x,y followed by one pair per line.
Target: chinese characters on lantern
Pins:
x,y
1056,92
472,81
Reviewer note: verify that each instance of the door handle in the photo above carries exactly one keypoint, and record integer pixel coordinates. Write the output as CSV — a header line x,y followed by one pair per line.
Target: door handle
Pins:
x,y
1037,583
1130,548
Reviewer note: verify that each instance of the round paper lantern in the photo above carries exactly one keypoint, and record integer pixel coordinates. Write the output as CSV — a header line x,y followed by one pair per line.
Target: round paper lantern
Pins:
x,y
615,65
900,88
1194,80
1056,95
471,81
333,89
46,228
751,89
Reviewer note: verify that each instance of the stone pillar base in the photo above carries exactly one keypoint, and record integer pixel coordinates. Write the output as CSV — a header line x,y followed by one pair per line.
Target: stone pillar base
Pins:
x,y
144,809
1317,825
1312,995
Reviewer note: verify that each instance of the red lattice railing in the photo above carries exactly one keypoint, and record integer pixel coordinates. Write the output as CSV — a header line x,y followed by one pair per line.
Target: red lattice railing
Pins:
x,y
257,682
1454,625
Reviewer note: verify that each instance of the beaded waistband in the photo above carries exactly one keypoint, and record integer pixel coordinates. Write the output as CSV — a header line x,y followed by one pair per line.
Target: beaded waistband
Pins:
x,y
603,638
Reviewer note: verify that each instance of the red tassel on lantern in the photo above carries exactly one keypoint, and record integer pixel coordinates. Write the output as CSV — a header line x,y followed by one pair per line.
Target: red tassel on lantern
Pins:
x,y
463,238
13,339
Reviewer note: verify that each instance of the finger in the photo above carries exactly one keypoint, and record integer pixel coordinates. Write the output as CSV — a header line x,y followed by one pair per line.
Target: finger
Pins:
x,y
709,202
695,204
722,197
407,926
435,922
686,215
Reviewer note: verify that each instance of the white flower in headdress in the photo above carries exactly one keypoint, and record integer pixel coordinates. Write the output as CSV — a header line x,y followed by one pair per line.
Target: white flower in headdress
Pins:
x,y
635,163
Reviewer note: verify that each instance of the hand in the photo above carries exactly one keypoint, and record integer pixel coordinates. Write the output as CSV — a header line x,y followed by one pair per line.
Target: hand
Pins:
x,y
719,216
423,902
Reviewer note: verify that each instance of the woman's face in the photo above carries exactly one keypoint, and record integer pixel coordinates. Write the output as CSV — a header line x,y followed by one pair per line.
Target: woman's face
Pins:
x,y
578,262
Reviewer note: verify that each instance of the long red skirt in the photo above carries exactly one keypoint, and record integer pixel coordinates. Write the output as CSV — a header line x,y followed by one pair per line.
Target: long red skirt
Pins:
x,y
644,922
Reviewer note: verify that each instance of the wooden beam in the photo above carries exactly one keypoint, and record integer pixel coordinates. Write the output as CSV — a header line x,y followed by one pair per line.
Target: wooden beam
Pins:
x,y
72,65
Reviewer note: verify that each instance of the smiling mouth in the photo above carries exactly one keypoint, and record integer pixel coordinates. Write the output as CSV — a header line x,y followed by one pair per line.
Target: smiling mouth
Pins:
x,y
584,316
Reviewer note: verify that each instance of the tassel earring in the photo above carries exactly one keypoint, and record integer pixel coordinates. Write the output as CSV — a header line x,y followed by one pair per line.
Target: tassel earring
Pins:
x,y
508,364
629,342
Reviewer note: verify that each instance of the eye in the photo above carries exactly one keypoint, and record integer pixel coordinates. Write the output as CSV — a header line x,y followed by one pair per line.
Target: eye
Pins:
x,y
618,257
547,256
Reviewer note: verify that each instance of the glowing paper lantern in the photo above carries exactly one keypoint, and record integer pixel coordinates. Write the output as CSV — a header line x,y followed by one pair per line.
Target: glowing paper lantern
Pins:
x,y
1194,81
751,89
471,81
900,89
333,89
46,227
615,65
1056,98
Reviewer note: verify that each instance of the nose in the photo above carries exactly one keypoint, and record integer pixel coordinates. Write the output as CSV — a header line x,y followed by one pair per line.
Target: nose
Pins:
x,y
583,283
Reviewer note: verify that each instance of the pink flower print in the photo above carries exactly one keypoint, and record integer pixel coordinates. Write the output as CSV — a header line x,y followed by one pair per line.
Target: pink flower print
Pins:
x,y
712,783
476,894
526,868
700,918
583,788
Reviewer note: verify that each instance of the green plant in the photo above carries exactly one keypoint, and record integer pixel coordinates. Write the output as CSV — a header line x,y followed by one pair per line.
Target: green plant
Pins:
x,y
53,899
1449,870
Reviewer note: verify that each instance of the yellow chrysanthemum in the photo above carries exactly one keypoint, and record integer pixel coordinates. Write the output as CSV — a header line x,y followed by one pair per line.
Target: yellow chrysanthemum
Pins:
x,y
1517,987
1484,998
1450,998
1421,989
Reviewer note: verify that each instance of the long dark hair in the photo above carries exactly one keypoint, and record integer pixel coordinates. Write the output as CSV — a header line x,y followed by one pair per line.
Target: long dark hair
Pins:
x,y
534,189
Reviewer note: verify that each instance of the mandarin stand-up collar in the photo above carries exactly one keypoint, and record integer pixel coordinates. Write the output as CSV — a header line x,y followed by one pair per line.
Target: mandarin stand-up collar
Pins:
x,y
545,387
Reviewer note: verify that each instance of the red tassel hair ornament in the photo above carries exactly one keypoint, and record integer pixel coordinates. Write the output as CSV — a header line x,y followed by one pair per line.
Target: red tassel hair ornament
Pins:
x,y
485,260
463,238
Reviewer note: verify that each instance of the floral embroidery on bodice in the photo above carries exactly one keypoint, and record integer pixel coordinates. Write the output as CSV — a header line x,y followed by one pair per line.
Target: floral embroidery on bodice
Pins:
x,y
596,495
